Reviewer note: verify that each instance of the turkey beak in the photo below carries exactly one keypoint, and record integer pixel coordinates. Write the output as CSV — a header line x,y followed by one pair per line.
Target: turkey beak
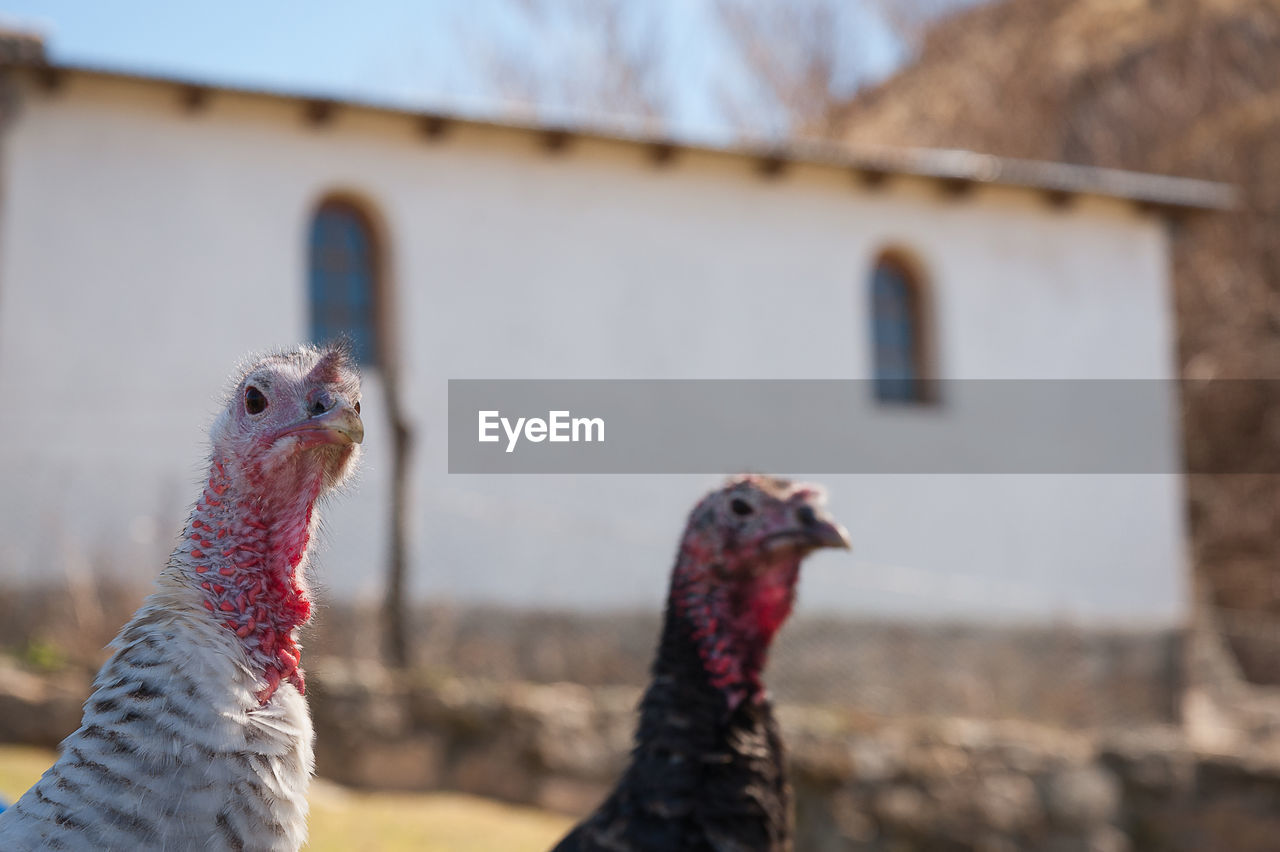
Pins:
x,y
820,529
343,421
339,424
809,529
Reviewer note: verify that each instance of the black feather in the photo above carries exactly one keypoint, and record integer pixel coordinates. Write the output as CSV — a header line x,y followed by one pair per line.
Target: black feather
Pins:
x,y
702,777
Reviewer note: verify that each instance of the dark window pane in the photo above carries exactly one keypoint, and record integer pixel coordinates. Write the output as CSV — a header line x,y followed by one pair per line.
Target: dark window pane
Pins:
x,y
895,334
342,279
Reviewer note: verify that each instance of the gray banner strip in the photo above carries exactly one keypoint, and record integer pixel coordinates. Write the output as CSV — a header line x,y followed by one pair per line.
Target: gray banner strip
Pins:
x,y
813,427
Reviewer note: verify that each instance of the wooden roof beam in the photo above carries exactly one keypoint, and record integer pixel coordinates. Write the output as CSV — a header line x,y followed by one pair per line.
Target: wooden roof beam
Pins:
x,y
772,165
434,127
557,140
194,98
319,112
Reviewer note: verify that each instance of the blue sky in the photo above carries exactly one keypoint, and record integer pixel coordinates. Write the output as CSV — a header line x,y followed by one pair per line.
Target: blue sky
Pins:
x,y
436,54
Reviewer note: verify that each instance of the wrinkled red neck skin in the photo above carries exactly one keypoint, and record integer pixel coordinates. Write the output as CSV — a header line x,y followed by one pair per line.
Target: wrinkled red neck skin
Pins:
x,y
246,542
734,620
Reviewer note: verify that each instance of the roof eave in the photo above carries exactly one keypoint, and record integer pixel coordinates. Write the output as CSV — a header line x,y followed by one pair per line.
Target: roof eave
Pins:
x,y
1158,192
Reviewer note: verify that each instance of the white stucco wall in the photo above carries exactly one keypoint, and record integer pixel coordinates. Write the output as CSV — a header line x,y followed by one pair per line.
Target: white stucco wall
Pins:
x,y
143,250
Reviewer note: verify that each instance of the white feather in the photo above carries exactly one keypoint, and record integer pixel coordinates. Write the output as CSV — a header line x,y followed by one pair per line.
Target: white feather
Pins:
x,y
174,751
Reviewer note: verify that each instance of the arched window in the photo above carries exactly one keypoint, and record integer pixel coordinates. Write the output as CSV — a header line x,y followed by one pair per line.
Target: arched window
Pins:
x,y
343,278
898,333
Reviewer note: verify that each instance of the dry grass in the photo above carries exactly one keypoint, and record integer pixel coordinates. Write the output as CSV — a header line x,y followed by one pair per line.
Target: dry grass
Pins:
x,y
372,822
425,822
20,767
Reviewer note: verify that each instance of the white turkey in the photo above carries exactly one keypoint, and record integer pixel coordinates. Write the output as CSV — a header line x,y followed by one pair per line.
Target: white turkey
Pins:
x,y
197,735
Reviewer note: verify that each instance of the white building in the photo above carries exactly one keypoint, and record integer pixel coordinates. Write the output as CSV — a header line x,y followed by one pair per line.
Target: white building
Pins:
x,y
153,231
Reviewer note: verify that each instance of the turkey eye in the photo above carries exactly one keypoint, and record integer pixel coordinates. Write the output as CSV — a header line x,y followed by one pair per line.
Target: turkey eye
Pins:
x,y
357,406
254,401
741,508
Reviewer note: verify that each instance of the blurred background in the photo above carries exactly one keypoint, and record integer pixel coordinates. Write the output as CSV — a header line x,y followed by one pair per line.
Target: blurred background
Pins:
x,y
904,191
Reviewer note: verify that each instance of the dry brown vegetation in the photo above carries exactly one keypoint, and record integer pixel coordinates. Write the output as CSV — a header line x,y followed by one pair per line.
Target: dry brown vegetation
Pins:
x,y
1181,87
51,626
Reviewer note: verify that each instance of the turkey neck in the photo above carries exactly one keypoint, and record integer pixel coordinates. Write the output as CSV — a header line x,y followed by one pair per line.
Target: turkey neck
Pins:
x,y
244,548
727,623
706,674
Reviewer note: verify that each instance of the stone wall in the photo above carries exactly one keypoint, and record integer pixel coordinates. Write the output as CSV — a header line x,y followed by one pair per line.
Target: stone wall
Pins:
x,y
39,709
862,783
1057,674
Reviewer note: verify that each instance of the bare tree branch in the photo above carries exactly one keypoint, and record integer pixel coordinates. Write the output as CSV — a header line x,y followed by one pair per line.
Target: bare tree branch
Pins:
x,y
910,20
793,55
801,57
602,58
